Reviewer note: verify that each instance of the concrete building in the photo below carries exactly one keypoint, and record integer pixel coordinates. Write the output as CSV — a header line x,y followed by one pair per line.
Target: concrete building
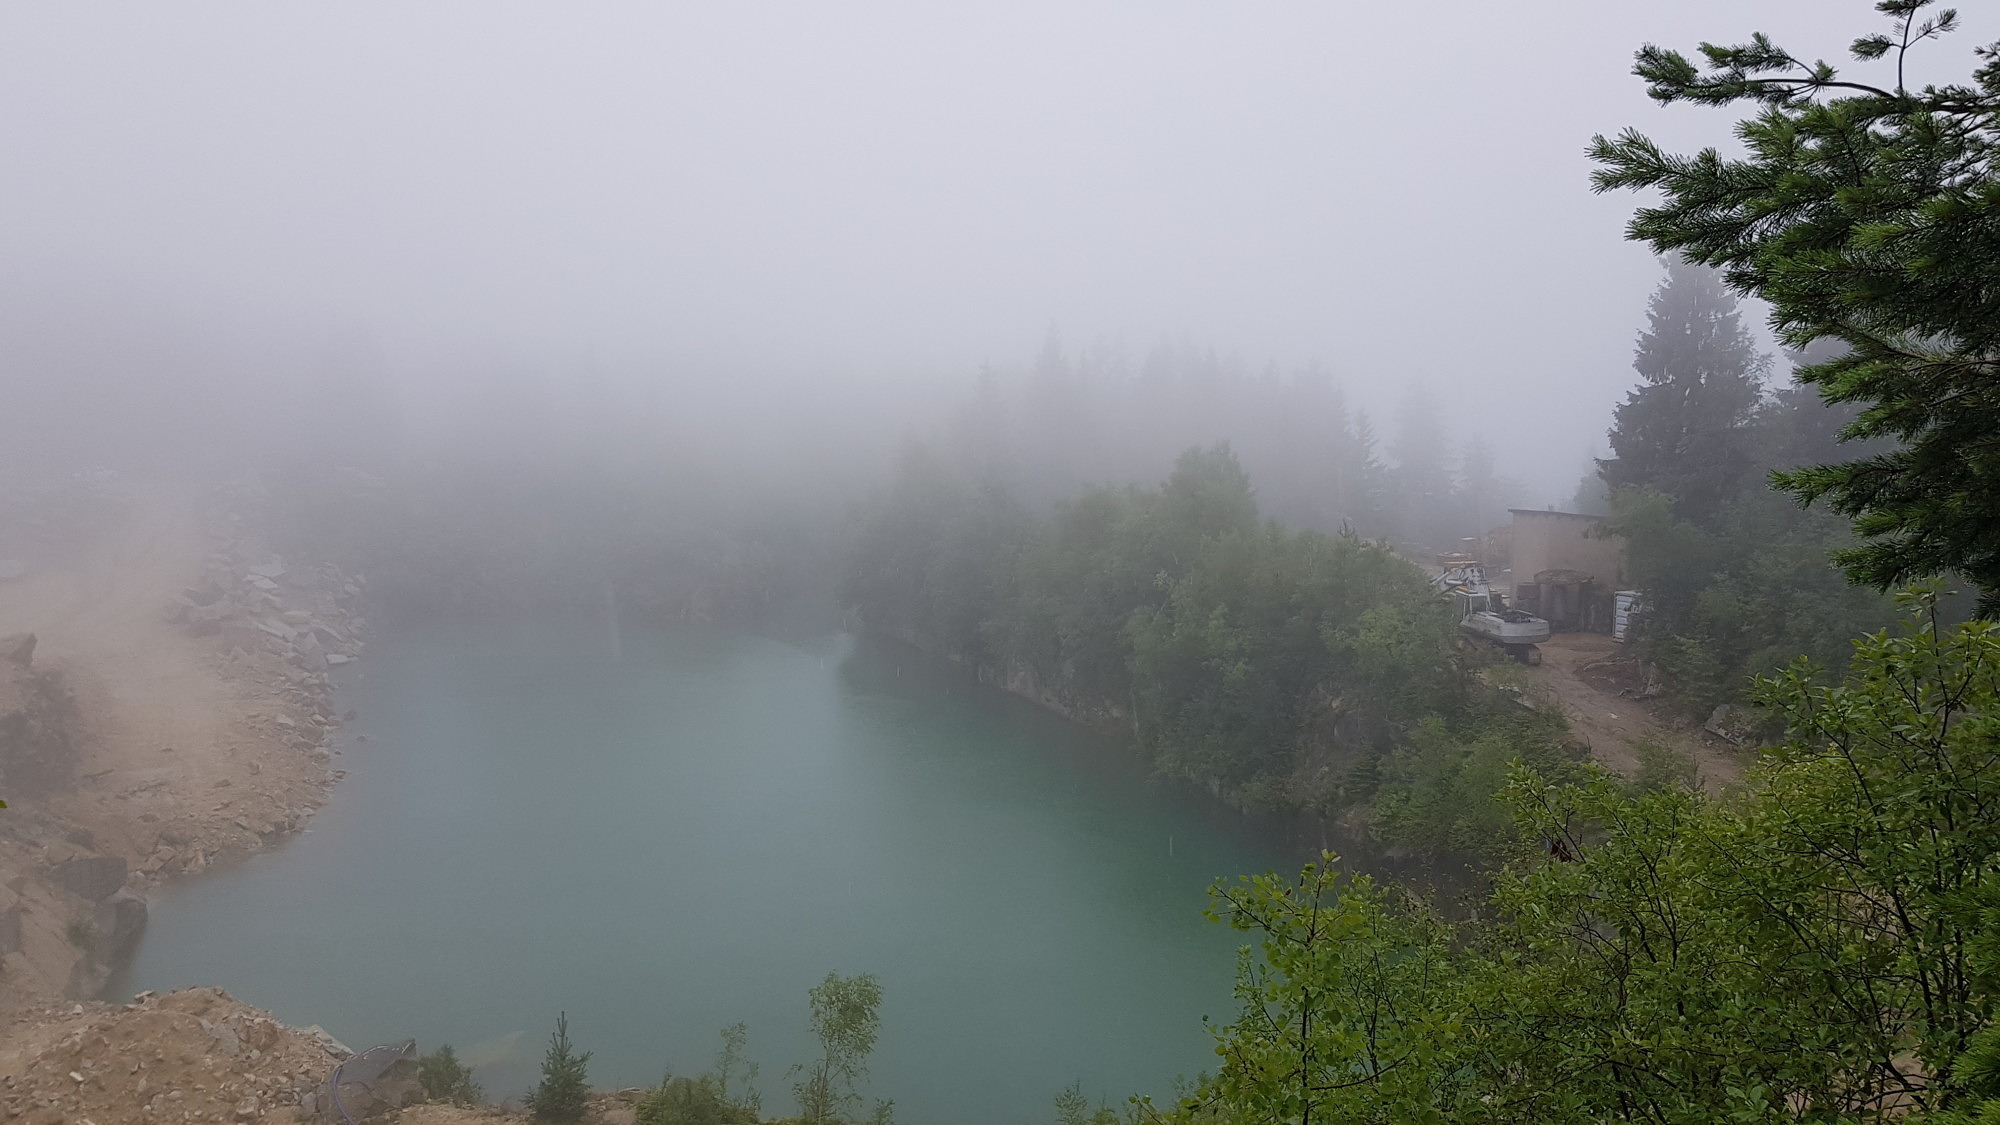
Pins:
x,y
1565,570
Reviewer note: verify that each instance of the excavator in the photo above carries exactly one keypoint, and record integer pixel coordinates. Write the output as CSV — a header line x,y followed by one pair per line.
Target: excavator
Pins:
x,y
1483,613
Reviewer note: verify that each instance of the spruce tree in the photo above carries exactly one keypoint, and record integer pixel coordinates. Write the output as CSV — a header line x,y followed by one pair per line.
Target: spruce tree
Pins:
x,y
1866,212
1685,430
1421,484
565,1079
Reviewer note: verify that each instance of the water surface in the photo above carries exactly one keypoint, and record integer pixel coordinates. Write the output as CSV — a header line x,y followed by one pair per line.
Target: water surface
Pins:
x,y
666,833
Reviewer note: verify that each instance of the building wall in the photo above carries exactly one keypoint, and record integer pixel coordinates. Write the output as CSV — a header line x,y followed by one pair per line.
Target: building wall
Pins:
x,y
1559,541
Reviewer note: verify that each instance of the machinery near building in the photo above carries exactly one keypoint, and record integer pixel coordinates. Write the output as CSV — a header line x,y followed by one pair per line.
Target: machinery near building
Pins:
x,y
1483,613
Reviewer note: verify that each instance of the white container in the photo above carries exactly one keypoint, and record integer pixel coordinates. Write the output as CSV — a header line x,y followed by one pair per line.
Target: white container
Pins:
x,y
1625,605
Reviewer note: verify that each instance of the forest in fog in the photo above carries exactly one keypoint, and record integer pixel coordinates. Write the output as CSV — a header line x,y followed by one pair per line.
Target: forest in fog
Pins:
x,y
886,484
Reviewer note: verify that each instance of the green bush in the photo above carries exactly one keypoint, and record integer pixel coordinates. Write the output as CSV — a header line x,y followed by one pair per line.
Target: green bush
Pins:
x,y
686,1101
445,1079
1261,663
1662,767
726,1097
1818,944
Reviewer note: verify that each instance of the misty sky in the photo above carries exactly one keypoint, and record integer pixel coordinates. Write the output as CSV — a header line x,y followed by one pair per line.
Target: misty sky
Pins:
x,y
845,191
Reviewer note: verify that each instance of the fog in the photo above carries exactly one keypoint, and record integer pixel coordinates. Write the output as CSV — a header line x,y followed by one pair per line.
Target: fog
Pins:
x,y
851,517
799,232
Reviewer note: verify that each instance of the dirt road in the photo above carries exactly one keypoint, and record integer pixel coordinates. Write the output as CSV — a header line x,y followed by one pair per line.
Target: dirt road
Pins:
x,y
1580,676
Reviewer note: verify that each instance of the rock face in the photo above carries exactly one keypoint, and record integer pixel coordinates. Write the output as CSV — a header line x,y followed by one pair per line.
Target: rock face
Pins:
x,y
283,625
120,919
170,752
1728,724
90,877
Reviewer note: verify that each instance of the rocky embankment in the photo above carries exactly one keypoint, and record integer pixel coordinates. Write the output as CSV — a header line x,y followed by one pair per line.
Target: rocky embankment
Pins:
x,y
167,701
282,629
189,1056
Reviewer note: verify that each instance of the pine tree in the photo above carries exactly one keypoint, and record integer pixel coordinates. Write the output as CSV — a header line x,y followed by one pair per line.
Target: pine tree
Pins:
x,y
1479,486
1367,481
1420,483
565,1079
1865,212
1685,430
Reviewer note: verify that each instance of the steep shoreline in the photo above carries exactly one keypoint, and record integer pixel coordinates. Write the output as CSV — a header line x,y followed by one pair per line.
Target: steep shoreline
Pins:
x,y
1303,834
1102,716
179,677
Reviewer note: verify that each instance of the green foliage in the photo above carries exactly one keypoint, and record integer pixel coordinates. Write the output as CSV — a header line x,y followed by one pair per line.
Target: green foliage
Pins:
x,y
1072,1108
1314,1038
687,1101
1685,431
845,1022
445,1079
1752,588
728,1096
1440,785
81,933
1268,635
1823,945
1264,663
1662,767
565,1079
1867,215
735,1071
932,561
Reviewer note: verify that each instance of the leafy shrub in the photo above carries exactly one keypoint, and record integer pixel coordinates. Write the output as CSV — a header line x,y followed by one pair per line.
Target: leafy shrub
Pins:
x,y
686,1101
726,1097
445,1079
1813,946
1662,767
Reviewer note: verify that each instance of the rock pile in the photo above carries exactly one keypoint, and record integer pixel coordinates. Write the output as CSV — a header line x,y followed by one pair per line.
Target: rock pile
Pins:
x,y
297,622
193,1055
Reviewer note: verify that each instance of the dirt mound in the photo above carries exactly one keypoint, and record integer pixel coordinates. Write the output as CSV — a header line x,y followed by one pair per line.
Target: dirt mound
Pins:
x,y
194,1055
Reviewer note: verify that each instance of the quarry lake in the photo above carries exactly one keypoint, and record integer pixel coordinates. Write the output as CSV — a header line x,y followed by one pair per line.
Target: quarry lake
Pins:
x,y
665,833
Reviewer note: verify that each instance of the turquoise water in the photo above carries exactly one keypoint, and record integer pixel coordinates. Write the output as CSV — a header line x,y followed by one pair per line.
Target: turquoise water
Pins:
x,y
667,833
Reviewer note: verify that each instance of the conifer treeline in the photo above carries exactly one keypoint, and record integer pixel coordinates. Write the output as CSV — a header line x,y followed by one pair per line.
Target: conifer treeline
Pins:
x,y
1096,417
1738,578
